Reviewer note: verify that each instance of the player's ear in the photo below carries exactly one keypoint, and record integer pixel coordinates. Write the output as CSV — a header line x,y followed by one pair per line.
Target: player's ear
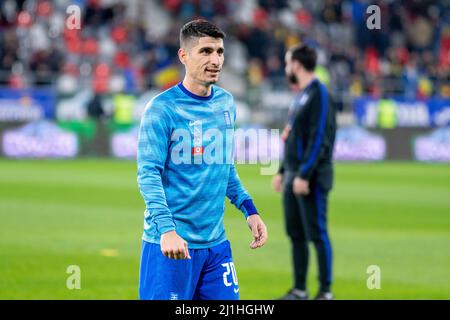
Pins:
x,y
182,55
296,66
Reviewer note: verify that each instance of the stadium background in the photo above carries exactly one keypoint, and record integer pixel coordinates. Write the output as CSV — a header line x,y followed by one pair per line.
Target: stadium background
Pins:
x,y
70,100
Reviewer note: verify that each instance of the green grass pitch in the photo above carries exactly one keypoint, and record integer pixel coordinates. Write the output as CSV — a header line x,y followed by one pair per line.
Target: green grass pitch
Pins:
x,y
89,213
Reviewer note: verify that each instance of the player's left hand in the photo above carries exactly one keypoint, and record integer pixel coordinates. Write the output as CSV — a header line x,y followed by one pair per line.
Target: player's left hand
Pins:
x,y
300,186
259,231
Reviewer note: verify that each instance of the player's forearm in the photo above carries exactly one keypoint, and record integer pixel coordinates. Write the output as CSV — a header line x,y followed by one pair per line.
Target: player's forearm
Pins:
x,y
308,165
248,208
151,189
244,203
237,194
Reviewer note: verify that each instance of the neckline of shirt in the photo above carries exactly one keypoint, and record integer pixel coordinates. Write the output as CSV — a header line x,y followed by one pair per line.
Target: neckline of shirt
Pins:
x,y
193,95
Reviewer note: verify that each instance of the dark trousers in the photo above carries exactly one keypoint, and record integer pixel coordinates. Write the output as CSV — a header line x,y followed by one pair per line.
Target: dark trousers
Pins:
x,y
306,220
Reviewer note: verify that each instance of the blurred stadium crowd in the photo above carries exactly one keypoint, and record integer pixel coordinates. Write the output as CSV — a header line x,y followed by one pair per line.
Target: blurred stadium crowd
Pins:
x,y
68,91
131,46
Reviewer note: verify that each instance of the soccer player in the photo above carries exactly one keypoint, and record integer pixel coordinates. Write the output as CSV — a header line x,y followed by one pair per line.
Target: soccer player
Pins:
x,y
185,252
306,175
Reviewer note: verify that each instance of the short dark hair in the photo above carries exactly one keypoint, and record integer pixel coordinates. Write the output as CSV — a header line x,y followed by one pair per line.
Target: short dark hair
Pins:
x,y
306,55
199,28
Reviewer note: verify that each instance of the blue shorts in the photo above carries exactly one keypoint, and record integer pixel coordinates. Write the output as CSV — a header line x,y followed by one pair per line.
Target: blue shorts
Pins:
x,y
209,274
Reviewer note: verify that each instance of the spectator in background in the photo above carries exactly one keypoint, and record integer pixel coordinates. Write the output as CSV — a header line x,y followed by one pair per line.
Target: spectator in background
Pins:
x,y
99,145
111,34
411,77
95,107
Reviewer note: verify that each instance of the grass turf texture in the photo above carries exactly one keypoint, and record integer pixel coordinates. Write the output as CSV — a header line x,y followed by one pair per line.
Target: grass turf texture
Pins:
x,y
89,213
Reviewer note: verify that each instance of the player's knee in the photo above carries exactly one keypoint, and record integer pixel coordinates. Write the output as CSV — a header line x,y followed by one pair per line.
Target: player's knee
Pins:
x,y
320,239
297,237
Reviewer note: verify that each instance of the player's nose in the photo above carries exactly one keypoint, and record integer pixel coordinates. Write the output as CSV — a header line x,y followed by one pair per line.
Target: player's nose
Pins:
x,y
215,59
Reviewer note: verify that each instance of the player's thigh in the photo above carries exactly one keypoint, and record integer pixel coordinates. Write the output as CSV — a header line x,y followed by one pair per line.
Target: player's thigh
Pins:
x,y
218,280
293,214
161,278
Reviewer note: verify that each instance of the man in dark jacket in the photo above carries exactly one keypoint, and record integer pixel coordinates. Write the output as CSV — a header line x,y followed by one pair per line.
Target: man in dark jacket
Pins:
x,y
306,174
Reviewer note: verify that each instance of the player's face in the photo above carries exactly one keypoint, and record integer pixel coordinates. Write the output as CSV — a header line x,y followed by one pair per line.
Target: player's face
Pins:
x,y
204,60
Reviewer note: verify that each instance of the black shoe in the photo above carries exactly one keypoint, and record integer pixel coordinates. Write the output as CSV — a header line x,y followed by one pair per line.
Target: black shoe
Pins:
x,y
324,296
295,294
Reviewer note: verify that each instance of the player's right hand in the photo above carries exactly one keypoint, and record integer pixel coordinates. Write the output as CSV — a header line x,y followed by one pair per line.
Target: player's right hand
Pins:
x,y
277,182
173,246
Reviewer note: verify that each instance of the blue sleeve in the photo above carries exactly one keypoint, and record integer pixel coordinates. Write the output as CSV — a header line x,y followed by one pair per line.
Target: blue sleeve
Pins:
x,y
153,148
238,196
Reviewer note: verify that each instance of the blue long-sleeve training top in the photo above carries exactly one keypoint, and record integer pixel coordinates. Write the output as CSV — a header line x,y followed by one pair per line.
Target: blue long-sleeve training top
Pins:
x,y
185,166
